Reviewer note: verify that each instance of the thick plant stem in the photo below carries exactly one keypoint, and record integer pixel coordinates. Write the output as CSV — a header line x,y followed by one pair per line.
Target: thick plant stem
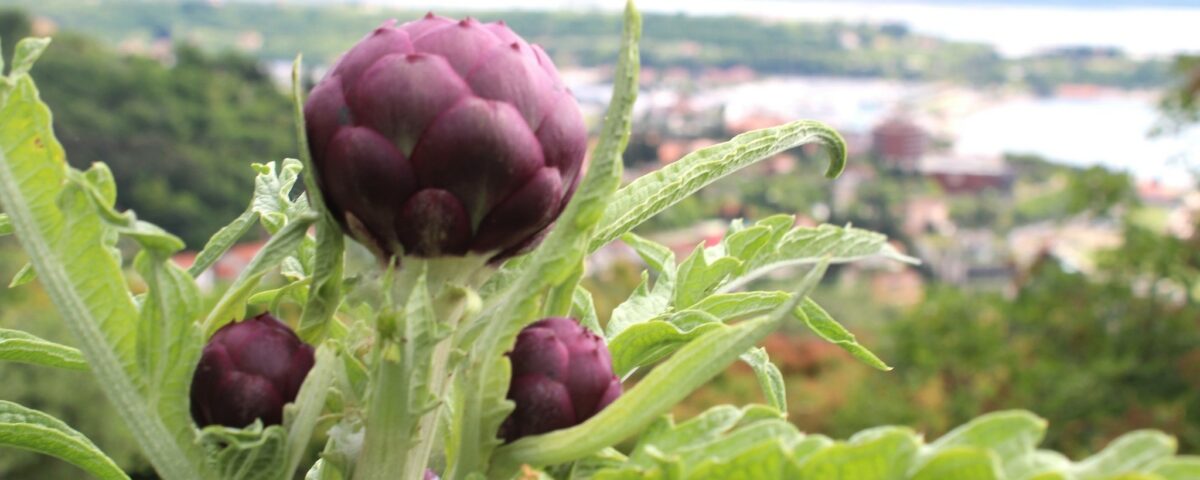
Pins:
x,y
400,424
388,422
418,456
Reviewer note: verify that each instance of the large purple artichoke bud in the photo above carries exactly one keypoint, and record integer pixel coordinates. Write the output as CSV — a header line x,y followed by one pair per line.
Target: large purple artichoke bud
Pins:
x,y
248,370
561,375
444,138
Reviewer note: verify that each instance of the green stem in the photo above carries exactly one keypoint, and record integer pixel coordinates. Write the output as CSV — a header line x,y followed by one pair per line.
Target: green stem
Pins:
x,y
396,440
168,457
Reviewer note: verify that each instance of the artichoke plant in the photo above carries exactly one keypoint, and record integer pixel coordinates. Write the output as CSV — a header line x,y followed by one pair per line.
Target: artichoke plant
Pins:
x,y
442,138
249,370
562,375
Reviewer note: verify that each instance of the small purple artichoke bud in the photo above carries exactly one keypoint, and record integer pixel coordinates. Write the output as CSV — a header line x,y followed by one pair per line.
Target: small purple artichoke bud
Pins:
x,y
249,370
430,475
561,376
440,137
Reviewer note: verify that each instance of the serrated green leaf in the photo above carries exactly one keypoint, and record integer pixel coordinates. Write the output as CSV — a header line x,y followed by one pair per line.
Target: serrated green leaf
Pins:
x,y
770,379
69,247
697,277
1012,435
961,463
664,436
584,309
765,459
730,306
827,328
658,190
169,339
561,297
745,244
23,276
644,304
588,467
251,453
788,247
809,446
649,342
1129,453
18,346
32,430
232,304
222,241
300,417
662,388
272,199
27,52
660,258
879,454
325,292
1179,468
1042,464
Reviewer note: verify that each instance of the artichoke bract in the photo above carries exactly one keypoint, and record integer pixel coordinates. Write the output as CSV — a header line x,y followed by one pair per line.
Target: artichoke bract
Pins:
x,y
561,376
249,370
443,138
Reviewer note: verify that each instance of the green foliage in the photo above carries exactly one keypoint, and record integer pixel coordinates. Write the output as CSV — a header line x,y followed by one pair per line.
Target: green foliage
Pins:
x,y
18,346
28,429
413,355
1181,104
755,442
178,137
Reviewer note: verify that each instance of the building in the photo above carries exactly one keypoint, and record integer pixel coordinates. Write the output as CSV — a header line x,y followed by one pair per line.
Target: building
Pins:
x,y
968,174
899,143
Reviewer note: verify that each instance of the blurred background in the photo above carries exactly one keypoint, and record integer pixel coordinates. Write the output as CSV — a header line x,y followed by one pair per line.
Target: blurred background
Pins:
x,y
1038,156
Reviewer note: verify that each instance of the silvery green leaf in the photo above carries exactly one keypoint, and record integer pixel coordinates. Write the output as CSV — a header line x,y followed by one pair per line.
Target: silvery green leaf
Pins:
x,y
54,216
877,454
660,258
300,417
584,309
649,342
827,328
961,463
18,346
1129,453
1179,468
169,339
232,304
699,276
273,194
730,306
222,241
251,453
1012,435
27,52
23,276
770,379
644,304
656,191
32,430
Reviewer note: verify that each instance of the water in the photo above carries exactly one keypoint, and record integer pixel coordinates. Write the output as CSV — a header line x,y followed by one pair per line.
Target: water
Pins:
x,y
1109,131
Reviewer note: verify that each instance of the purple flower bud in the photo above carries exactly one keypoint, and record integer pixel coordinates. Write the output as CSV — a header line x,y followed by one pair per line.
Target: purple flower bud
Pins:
x,y
561,376
438,137
249,370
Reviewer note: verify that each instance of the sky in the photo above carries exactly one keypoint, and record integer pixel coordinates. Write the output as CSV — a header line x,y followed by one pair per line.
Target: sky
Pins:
x,y
1148,28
